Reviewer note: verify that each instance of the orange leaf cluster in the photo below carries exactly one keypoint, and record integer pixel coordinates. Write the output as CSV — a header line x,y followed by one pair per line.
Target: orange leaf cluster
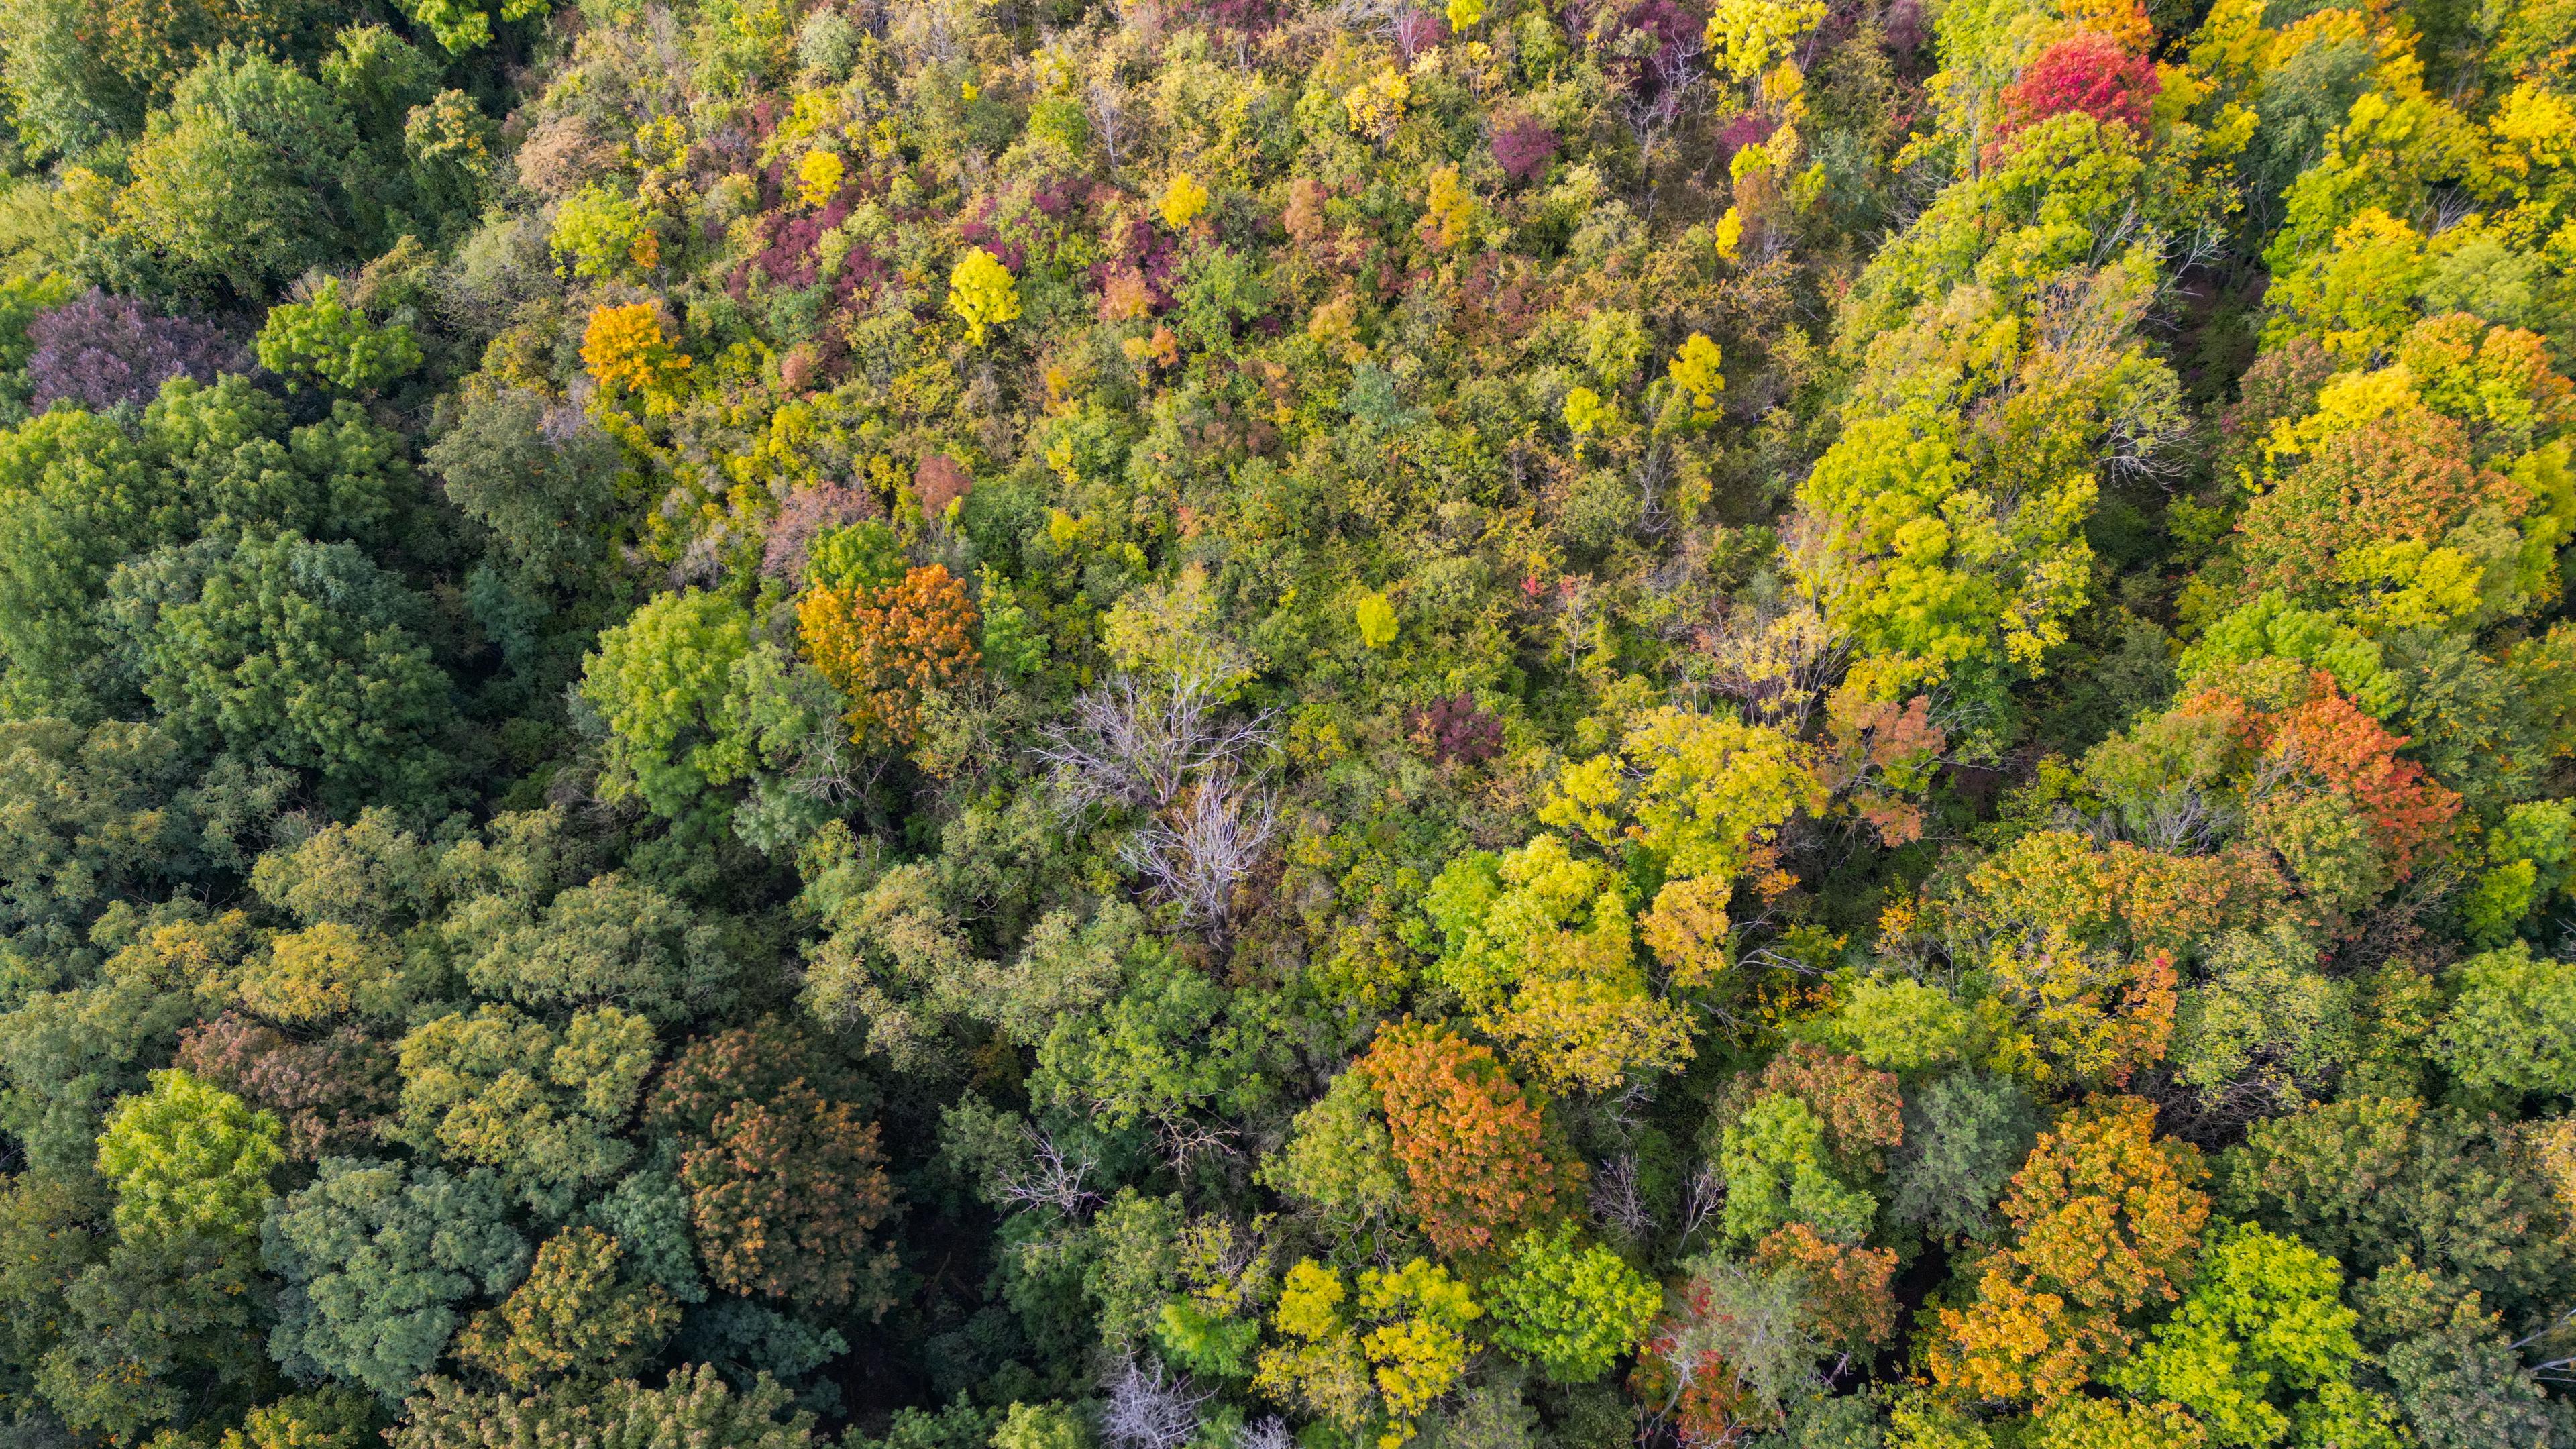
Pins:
x,y
2107,1222
1471,1142
2403,476
1850,1305
883,647
2350,752
784,1195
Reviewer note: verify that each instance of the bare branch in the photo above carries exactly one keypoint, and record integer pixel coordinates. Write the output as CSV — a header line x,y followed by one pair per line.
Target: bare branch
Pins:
x,y
1149,1410
1197,852
1132,747
1054,1178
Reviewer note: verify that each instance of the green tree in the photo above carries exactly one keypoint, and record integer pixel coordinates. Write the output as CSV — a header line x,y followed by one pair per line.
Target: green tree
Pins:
x,y
78,494
662,683
2512,1027
288,652
2374,1181
188,1159
242,181
376,1257
1572,1310
326,340
612,942
541,1106
693,1410
2261,1349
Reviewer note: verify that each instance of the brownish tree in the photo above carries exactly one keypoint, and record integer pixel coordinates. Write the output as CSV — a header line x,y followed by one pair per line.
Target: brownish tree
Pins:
x,y
786,1195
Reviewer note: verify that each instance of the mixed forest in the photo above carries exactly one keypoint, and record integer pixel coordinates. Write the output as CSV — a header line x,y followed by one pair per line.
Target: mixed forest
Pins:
x,y
1287,724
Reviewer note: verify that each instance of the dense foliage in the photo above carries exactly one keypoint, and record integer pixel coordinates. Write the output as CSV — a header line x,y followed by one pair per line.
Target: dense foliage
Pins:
x,y
1202,724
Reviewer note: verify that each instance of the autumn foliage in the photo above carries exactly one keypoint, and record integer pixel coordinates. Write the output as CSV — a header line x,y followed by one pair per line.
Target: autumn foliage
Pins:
x,y
1472,1144
2089,72
883,647
624,347
2106,1224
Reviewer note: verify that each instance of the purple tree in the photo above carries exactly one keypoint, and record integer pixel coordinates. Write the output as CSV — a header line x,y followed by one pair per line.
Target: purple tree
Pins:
x,y
97,351
1524,148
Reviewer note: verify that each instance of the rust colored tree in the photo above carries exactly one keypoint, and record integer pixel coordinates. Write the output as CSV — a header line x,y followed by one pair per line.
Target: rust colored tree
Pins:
x,y
1471,1141
2107,1223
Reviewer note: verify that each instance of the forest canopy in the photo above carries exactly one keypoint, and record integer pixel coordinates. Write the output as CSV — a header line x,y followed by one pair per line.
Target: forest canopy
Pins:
x,y
1287,724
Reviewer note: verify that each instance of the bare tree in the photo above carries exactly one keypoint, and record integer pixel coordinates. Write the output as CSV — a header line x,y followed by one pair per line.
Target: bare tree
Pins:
x,y
1198,851
1267,1432
1132,746
1702,1196
1106,100
1617,1203
1150,1410
1053,1179
1186,1139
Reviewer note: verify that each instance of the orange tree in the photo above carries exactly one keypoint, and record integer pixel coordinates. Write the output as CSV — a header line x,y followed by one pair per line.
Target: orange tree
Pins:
x,y
2107,1223
883,646
1471,1142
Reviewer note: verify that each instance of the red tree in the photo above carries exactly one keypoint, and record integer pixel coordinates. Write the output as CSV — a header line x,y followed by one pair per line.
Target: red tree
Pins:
x,y
2088,72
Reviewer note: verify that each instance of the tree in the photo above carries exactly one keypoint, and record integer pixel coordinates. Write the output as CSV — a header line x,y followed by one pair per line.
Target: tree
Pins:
x,y
2089,72
693,1410
611,942
626,349
1574,1311
1705,793
885,647
983,294
1542,948
324,1419
77,495
2512,1028
743,1063
1848,1305
1966,1133
1820,1125
465,25
239,462
375,1258
1735,1349
95,351
165,1328
188,1159
662,683
2262,1340
1397,1346
1339,1156
2374,1181
785,1194
326,971
542,482
293,653
1473,1149
94,816
238,185
2106,1224
330,1093
328,341
541,1106
570,1316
